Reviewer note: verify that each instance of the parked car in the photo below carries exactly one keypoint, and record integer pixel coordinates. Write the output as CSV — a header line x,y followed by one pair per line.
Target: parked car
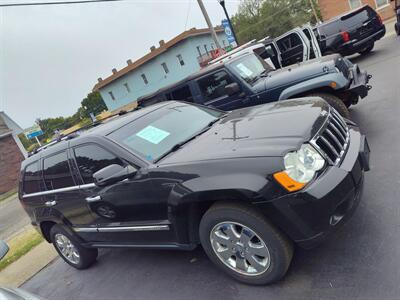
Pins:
x,y
294,46
397,10
12,293
244,79
352,32
247,185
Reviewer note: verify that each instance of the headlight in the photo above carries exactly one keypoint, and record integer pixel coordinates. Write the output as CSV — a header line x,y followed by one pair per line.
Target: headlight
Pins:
x,y
300,168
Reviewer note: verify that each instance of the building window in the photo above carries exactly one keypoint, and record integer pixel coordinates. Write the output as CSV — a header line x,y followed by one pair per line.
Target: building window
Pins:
x,y
111,95
224,43
205,48
144,79
381,3
127,87
198,50
180,58
164,65
212,46
354,4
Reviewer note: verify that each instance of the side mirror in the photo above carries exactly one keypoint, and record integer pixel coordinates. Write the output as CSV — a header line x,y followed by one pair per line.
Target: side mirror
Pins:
x,y
3,249
112,174
232,88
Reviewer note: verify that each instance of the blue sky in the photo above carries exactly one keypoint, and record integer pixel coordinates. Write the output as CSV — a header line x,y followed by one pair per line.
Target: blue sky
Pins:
x,y
51,56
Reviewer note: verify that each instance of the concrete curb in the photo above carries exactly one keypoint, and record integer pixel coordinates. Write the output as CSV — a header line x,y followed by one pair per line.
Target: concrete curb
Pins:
x,y
28,265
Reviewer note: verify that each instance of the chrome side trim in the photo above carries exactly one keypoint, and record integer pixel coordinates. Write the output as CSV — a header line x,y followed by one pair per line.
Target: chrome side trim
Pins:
x,y
67,189
122,228
85,229
134,228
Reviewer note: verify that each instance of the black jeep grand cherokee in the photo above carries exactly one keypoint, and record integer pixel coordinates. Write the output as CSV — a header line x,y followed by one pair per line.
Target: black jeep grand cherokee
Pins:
x,y
247,184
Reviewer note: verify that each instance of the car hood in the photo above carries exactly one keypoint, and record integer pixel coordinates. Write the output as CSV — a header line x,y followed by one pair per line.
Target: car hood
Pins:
x,y
263,130
297,73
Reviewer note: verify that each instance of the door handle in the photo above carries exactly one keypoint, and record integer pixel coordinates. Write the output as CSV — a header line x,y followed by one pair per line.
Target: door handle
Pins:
x,y
50,203
93,199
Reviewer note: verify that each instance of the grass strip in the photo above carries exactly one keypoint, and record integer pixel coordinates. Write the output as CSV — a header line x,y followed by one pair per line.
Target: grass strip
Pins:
x,y
20,245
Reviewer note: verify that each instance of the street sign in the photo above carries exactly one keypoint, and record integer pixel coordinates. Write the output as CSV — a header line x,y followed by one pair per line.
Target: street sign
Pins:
x,y
33,131
229,33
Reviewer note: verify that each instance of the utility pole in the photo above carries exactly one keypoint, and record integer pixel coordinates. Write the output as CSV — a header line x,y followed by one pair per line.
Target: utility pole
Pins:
x,y
210,26
222,2
314,11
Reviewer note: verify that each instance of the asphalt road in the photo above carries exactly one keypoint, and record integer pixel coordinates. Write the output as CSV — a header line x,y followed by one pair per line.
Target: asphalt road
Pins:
x,y
13,218
361,261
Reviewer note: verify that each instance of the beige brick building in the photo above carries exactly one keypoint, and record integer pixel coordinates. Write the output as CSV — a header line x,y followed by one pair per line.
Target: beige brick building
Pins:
x,y
332,8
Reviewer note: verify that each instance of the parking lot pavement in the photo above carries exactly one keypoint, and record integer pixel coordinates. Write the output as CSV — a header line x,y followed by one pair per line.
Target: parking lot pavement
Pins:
x,y
361,261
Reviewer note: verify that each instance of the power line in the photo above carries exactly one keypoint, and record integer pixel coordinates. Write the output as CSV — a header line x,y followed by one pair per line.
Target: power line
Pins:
x,y
55,3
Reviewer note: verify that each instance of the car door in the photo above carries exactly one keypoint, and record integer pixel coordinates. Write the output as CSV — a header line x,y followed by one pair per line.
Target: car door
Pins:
x,y
315,51
293,46
126,212
62,195
213,92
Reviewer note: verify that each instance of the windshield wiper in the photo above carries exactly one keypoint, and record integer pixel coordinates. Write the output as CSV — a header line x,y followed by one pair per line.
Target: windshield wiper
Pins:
x,y
177,146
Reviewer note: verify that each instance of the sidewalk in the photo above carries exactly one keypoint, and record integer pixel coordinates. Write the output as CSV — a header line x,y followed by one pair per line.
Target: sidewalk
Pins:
x,y
390,27
28,265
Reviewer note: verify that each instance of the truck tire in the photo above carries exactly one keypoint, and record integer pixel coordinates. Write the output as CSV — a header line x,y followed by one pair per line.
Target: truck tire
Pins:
x,y
367,50
335,102
244,244
396,28
70,249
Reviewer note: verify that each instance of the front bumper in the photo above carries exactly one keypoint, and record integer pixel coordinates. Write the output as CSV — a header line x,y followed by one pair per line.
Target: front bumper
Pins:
x,y
359,81
310,215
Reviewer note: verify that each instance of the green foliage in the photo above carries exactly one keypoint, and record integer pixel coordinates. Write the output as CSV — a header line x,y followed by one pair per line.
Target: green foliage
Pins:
x,y
93,103
25,142
257,19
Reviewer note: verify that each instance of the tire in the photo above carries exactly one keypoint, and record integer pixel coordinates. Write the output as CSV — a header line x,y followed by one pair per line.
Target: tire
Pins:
x,y
335,102
396,28
87,256
278,247
367,50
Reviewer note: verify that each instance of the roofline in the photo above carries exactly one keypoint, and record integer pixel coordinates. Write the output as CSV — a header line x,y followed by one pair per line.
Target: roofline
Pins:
x,y
153,54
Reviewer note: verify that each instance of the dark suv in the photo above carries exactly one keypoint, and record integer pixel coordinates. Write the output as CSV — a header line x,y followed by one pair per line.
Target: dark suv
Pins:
x,y
353,32
245,79
245,184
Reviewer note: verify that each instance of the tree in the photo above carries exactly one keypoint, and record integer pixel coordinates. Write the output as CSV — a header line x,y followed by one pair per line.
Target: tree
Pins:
x,y
93,103
257,19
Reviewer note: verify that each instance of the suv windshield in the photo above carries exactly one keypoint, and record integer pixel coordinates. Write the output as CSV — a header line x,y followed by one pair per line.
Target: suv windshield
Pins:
x,y
250,67
156,133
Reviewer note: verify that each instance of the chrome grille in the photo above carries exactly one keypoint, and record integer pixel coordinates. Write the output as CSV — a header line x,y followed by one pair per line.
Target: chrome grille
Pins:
x,y
333,139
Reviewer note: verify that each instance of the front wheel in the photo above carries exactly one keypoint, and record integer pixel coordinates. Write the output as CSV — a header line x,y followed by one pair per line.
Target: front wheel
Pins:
x,y
241,242
69,248
335,102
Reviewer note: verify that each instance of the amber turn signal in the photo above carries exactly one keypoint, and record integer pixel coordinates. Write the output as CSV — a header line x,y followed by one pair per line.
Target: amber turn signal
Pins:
x,y
288,183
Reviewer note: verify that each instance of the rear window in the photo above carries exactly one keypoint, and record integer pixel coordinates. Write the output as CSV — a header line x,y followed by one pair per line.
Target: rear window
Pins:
x,y
56,172
347,22
32,182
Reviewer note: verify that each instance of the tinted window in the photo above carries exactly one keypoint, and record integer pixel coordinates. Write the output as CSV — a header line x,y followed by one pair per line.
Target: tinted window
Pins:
x,y
56,172
289,42
182,93
213,86
32,182
91,158
155,133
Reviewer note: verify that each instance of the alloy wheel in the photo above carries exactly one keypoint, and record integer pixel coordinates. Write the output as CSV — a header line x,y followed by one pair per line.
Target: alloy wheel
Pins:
x,y
240,248
67,248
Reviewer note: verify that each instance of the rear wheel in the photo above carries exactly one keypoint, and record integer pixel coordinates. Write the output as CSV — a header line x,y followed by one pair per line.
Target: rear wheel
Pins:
x,y
241,242
396,27
335,102
367,49
69,248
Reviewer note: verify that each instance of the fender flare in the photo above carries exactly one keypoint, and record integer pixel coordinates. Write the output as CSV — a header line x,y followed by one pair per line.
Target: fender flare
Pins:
x,y
313,84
